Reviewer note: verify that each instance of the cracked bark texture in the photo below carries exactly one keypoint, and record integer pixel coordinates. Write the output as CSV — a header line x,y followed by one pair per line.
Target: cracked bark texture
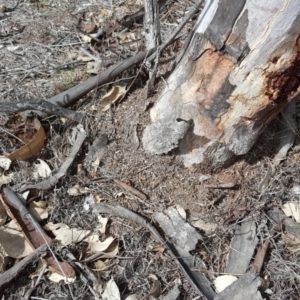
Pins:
x,y
241,68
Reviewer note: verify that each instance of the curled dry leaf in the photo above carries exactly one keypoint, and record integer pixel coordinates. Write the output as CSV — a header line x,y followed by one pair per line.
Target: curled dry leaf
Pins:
x,y
39,210
13,242
156,287
115,94
111,291
65,234
205,226
41,169
222,282
292,209
33,146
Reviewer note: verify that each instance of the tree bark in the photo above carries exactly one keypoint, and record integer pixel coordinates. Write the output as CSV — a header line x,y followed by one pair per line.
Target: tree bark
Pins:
x,y
241,68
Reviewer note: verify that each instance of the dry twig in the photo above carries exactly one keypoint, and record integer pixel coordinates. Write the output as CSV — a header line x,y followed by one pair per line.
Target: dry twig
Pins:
x,y
48,183
14,271
260,257
70,96
43,106
122,212
130,189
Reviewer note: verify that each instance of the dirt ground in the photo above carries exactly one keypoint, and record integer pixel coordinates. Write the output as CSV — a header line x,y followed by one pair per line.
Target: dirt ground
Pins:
x,y
39,45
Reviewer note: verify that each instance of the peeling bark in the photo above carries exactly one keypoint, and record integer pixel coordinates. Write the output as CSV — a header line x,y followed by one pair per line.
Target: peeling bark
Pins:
x,y
241,68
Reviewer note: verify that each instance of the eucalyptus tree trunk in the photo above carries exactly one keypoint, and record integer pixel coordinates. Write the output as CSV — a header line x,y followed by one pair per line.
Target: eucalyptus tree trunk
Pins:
x,y
240,69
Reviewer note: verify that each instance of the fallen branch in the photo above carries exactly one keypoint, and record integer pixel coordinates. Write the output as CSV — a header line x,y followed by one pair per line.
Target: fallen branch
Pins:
x,y
48,183
32,231
72,95
42,106
14,271
122,212
130,189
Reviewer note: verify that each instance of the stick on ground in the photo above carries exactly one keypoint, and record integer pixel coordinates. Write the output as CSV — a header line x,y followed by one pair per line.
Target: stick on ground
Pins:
x,y
14,271
122,212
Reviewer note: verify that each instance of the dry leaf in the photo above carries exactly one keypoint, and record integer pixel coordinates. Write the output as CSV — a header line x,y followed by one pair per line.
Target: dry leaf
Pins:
x,y
156,287
100,266
205,226
116,93
292,209
77,190
39,210
222,282
102,224
6,179
96,246
111,252
159,248
293,242
13,241
55,277
98,199
41,169
85,38
111,291
65,234
5,163
33,146
181,211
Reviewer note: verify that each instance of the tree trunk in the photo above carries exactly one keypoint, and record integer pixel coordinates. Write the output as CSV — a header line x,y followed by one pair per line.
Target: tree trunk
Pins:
x,y
241,68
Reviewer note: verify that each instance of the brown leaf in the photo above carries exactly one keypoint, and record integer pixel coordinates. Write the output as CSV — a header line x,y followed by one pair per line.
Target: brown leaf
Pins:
x,y
116,93
156,289
33,146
